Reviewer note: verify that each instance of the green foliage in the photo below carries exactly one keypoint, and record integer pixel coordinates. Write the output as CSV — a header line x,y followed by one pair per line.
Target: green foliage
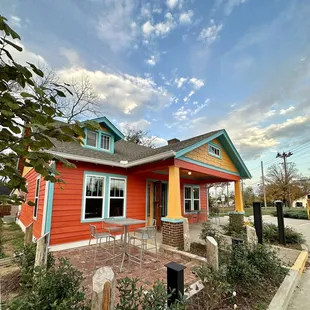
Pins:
x,y
57,288
296,214
207,229
27,117
25,259
270,234
134,297
235,227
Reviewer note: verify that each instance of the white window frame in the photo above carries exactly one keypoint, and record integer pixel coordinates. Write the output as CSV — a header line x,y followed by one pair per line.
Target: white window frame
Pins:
x,y
210,151
101,144
125,196
95,132
192,199
36,197
93,197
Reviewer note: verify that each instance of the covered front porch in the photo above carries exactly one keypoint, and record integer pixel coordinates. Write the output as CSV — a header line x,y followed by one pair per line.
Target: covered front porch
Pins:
x,y
177,189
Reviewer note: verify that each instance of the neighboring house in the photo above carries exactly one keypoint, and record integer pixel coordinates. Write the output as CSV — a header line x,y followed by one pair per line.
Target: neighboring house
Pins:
x,y
301,202
116,178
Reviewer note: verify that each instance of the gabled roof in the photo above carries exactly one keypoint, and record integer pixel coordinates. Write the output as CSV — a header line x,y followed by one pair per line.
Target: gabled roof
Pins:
x,y
129,154
118,135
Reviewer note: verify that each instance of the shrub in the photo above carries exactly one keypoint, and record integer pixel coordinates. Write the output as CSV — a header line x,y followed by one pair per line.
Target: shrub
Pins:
x,y
208,229
270,234
296,214
25,259
57,288
133,297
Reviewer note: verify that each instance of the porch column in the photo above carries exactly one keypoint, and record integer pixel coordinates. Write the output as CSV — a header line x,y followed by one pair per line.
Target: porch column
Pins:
x,y
172,224
174,194
238,197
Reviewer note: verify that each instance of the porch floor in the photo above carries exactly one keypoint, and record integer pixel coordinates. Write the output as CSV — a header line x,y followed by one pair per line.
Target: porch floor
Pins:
x,y
152,269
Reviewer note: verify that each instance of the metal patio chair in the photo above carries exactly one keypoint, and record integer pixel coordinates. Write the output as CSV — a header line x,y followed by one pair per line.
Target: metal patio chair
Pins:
x,y
148,233
142,229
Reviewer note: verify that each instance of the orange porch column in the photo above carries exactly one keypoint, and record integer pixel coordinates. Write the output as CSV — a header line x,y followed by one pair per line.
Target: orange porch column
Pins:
x,y
238,197
174,194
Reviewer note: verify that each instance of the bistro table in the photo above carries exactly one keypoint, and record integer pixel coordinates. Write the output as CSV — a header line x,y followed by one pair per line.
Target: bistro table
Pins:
x,y
125,222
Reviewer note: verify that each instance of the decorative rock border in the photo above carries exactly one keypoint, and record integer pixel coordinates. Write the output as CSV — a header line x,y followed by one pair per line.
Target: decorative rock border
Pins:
x,y
184,255
285,292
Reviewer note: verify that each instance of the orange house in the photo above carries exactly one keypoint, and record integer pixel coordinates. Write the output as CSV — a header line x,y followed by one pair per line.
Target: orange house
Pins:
x,y
117,178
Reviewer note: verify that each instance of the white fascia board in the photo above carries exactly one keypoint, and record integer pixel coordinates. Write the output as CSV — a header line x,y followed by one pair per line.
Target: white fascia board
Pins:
x,y
114,163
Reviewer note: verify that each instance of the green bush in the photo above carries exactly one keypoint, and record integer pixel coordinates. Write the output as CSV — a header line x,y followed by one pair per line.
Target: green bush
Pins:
x,y
296,214
271,235
207,229
57,288
25,259
133,297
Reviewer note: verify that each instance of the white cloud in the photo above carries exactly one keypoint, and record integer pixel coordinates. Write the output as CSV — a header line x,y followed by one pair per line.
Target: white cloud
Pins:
x,y
160,29
181,114
197,83
180,81
71,55
151,61
121,94
270,113
142,124
116,26
288,110
231,4
199,108
185,99
210,34
172,4
186,17
15,21
207,101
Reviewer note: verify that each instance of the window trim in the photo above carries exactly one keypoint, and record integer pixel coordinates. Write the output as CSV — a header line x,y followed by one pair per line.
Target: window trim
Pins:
x,y
210,144
86,139
83,219
100,140
192,186
106,201
36,206
125,196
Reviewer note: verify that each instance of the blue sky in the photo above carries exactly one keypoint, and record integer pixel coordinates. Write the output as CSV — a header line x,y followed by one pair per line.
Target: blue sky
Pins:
x,y
180,68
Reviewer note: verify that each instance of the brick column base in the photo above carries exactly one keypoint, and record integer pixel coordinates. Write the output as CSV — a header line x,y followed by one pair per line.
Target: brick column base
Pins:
x,y
173,234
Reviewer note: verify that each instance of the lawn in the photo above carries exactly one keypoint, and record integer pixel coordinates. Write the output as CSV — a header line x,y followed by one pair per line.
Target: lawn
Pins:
x,y
12,238
248,211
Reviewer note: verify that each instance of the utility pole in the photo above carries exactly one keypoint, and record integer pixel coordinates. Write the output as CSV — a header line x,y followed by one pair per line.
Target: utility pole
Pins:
x,y
263,179
284,156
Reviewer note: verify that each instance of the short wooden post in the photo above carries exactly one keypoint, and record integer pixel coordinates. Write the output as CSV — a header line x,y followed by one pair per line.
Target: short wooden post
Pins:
x,y
41,252
103,289
258,221
281,229
212,253
28,234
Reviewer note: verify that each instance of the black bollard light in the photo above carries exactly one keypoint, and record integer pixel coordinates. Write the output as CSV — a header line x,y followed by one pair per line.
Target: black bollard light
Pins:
x,y
281,230
258,221
175,281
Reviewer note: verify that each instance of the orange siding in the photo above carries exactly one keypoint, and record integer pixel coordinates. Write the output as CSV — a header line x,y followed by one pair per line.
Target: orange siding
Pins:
x,y
26,214
67,203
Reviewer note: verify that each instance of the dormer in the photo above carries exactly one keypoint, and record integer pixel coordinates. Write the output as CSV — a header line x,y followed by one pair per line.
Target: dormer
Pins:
x,y
103,139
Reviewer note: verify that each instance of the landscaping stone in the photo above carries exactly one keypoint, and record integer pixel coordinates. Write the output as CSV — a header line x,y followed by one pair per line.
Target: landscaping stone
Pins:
x,y
212,252
251,235
187,237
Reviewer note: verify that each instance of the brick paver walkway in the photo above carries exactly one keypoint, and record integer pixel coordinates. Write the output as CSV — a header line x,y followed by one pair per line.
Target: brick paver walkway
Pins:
x,y
152,269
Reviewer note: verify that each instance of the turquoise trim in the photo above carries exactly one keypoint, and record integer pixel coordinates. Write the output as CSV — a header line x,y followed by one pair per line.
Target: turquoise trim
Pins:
x,y
192,161
229,148
99,133
107,177
216,146
49,206
164,219
198,144
117,133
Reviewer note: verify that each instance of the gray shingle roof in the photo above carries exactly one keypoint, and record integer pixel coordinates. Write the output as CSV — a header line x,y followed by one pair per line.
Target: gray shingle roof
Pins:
x,y
124,150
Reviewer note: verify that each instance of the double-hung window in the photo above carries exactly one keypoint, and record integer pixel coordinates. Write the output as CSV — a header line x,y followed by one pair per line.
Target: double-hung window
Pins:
x,y
94,197
91,138
214,150
191,198
105,142
36,197
117,197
